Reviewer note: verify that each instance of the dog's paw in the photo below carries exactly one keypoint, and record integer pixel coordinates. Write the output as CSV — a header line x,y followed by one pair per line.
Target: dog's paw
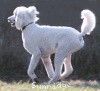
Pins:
x,y
35,81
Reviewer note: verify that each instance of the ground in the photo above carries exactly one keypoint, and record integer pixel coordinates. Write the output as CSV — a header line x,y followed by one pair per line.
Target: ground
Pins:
x,y
72,85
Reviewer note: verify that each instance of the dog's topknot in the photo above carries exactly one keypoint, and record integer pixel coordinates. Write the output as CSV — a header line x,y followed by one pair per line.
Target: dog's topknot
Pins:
x,y
33,12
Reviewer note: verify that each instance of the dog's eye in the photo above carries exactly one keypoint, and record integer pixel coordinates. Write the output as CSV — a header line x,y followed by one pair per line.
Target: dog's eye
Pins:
x,y
15,15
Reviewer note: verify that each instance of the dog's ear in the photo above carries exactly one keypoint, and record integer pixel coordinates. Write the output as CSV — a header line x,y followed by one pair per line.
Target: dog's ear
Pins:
x,y
20,15
33,13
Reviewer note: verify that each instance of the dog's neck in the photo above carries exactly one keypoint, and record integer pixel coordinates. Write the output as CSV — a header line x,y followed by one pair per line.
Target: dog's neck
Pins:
x,y
23,28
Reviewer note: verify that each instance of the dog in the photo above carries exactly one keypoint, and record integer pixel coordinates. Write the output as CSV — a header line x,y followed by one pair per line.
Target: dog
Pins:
x,y
41,41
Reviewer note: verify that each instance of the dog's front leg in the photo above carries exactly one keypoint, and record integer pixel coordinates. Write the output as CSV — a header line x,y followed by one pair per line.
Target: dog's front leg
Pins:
x,y
58,67
48,66
33,63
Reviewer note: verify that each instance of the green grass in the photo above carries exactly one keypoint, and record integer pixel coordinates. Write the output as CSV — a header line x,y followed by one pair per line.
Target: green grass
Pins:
x,y
64,86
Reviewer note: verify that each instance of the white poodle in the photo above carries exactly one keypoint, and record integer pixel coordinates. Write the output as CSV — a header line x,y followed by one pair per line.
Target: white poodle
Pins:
x,y
42,41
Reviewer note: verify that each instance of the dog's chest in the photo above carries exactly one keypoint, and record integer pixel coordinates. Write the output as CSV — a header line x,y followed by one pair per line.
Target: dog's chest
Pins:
x,y
27,46
28,42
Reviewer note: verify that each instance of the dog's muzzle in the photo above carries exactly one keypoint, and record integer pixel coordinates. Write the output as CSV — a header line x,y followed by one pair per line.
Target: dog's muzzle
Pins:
x,y
12,22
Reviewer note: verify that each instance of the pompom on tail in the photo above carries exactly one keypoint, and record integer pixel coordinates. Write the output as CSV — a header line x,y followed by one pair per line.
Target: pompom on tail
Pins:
x,y
89,22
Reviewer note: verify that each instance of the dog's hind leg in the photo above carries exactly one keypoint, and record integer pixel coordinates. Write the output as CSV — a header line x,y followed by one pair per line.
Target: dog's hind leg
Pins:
x,y
68,69
33,63
48,66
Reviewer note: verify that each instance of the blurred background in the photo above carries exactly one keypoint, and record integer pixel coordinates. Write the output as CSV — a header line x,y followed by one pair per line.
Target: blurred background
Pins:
x,y
14,59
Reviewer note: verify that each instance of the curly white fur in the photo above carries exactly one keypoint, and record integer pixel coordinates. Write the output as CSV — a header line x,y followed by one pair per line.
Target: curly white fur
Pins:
x,y
42,41
89,22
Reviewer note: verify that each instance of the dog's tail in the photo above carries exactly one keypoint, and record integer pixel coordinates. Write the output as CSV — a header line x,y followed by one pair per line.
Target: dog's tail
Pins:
x,y
89,22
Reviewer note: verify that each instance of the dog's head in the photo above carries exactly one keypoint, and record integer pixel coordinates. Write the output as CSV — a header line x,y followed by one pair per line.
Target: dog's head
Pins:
x,y
22,16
